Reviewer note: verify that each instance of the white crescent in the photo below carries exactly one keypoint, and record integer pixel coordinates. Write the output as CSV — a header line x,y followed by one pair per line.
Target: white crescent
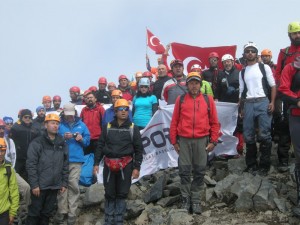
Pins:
x,y
151,41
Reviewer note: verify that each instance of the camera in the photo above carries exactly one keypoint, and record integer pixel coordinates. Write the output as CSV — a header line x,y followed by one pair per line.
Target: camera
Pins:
x,y
75,135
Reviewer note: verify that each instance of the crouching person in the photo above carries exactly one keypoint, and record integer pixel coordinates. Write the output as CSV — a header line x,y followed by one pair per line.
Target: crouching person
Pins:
x,y
193,132
121,146
47,167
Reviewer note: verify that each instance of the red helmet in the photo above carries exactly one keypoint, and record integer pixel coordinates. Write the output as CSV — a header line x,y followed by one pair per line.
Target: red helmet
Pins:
x,y
102,80
122,77
147,74
88,91
93,88
46,98
175,62
75,89
2,122
56,98
213,54
111,84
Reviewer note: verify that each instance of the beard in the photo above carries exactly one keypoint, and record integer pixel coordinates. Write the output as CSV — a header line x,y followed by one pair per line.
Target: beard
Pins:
x,y
295,42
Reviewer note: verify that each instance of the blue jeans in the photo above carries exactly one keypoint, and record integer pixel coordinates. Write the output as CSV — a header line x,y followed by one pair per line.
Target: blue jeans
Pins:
x,y
257,110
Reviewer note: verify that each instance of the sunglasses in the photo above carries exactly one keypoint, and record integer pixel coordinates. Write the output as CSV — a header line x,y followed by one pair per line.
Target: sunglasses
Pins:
x,y
123,108
27,117
143,86
250,50
2,127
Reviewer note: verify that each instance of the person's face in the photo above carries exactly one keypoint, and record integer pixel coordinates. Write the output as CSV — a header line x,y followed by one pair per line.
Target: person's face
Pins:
x,y
2,129
295,36
47,105
177,70
102,86
56,104
162,71
213,61
27,119
114,99
2,155
90,100
8,126
266,59
228,64
194,87
123,82
52,127
73,96
122,113
111,88
69,118
41,113
144,89
250,54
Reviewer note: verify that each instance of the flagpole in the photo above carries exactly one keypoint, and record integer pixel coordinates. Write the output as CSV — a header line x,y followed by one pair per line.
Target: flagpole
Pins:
x,y
146,41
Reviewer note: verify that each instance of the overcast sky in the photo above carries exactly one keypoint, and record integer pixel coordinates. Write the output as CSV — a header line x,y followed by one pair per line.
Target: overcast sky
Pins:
x,y
48,46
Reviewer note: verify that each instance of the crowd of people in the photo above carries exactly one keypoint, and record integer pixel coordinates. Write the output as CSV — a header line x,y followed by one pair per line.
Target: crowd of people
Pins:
x,y
42,157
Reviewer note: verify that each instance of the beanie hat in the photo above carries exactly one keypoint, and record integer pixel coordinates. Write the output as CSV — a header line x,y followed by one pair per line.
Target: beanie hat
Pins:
x,y
8,119
25,112
39,108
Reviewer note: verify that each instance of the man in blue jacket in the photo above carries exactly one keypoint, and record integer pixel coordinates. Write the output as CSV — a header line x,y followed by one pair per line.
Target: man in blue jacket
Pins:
x,y
77,136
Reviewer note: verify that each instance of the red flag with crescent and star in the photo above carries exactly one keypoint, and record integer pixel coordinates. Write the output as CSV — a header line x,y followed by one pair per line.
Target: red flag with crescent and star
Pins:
x,y
154,43
191,55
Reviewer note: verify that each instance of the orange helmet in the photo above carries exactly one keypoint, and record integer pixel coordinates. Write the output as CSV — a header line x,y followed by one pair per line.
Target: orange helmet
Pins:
x,y
2,144
138,74
121,102
266,52
133,84
46,98
52,117
116,93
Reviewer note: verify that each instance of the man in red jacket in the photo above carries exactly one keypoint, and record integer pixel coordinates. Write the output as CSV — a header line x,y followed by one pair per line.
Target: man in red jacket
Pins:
x,y
92,116
193,132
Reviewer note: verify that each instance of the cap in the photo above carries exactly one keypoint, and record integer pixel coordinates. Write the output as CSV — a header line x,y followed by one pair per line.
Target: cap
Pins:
x,y
69,109
39,108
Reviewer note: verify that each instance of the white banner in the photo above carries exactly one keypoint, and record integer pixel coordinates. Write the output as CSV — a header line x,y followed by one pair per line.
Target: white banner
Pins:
x,y
159,153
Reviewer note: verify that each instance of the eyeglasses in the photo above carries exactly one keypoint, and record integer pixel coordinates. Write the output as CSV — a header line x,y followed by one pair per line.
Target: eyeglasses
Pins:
x,y
144,86
27,117
250,50
123,108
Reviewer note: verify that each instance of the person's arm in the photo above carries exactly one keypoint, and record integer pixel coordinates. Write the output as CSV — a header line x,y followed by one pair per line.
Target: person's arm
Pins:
x,y
154,105
174,124
13,195
279,65
214,124
165,55
98,151
148,66
65,172
272,84
32,164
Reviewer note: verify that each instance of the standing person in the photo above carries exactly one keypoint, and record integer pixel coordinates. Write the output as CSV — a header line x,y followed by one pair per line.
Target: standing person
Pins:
x,y
176,85
109,114
162,78
75,96
205,86
144,104
47,166
92,116
56,103
289,88
9,194
256,82
194,131
47,101
77,137
286,55
111,86
124,86
22,134
102,94
9,122
38,122
120,144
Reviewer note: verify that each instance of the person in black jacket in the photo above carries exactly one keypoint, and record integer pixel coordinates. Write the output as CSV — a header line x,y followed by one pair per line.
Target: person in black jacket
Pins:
x,y
38,122
161,80
121,146
22,134
47,166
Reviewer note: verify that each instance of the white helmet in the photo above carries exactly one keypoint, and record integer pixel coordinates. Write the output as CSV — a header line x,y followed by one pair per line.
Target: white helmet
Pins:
x,y
144,81
196,66
226,57
251,44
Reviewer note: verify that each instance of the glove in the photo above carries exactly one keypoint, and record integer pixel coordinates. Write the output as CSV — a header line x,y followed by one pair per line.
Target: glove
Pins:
x,y
230,90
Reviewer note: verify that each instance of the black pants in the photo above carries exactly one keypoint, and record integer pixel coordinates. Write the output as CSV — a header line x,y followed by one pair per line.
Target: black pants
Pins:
x,y
4,218
42,207
91,148
117,187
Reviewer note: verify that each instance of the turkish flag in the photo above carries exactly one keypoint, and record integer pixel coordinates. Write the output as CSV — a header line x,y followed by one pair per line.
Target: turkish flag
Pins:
x,y
154,43
191,55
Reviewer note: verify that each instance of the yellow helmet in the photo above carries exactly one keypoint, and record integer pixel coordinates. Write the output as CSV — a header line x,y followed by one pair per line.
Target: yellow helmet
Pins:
x,y
193,76
294,27
2,144
52,117
116,92
121,103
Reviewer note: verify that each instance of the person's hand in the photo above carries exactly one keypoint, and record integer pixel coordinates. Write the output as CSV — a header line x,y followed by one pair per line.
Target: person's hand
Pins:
x,y
96,170
271,108
78,137
298,104
68,135
147,57
177,148
210,147
36,192
135,174
11,220
62,190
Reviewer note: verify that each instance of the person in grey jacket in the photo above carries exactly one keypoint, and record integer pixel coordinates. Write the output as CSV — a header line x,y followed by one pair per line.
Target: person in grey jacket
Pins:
x,y
47,167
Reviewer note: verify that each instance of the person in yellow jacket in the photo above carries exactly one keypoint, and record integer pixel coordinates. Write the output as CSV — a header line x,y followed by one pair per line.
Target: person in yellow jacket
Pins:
x,y
9,194
205,87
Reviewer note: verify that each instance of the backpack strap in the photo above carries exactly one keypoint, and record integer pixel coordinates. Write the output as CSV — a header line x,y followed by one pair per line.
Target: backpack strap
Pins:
x,y
8,173
131,129
205,98
286,54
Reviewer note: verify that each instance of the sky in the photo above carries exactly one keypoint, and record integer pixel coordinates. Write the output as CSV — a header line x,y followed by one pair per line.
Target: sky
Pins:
x,y
46,47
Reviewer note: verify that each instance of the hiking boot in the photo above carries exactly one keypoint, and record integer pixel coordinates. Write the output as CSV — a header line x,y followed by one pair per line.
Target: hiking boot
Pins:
x,y
71,220
196,207
283,167
59,219
263,172
251,169
186,203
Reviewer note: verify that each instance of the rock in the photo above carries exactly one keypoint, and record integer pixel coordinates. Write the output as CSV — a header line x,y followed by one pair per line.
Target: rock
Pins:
x,y
220,174
166,193
174,188
135,192
142,219
206,213
237,166
280,204
263,200
156,191
164,202
134,208
209,181
94,195
156,215
209,194
179,217
222,190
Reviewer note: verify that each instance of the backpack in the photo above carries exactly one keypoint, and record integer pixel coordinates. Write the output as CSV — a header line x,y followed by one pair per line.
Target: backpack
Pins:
x,y
205,98
265,84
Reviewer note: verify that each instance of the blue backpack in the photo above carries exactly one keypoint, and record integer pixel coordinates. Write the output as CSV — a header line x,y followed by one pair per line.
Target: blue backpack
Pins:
x,y
86,176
